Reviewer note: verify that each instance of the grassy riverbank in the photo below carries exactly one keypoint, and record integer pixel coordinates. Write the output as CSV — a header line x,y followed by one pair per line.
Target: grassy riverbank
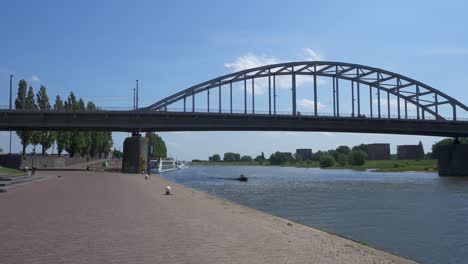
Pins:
x,y
8,170
378,165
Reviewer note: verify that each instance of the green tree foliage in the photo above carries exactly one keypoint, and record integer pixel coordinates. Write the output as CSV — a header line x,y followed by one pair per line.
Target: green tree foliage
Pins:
x,y
216,158
279,158
21,95
362,147
357,157
84,143
246,158
92,138
78,140
326,160
36,137
230,157
260,158
117,154
20,103
343,150
342,159
316,156
159,146
47,138
30,103
62,137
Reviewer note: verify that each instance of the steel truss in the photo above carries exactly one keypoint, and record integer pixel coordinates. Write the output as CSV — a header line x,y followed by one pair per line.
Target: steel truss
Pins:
x,y
426,99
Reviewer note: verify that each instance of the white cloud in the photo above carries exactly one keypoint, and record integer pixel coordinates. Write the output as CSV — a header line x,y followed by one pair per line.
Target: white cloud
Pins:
x,y
35,78
312,55
250,61
309,104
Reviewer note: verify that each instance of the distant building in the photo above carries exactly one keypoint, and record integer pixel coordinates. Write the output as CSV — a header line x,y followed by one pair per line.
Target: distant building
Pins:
x,y
378,151
304,154
410,152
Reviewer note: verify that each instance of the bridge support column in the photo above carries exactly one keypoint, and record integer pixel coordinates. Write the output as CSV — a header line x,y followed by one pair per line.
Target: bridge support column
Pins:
x,y
453,160
135,155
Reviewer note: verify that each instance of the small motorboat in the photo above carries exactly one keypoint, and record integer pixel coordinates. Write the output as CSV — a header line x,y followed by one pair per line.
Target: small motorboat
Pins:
x,y
243,178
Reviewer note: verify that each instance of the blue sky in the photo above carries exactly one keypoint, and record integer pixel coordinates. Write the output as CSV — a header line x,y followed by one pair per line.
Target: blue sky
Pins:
x,y
98,48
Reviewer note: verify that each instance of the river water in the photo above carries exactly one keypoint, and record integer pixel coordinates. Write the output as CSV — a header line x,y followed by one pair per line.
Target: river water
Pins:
x,y
416,215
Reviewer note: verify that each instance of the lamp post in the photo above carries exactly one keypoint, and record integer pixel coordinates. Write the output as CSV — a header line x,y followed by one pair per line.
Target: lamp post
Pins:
x,y
11,94
137,98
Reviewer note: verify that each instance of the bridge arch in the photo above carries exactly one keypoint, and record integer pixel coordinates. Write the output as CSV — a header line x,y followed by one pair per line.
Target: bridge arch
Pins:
x,y
423,97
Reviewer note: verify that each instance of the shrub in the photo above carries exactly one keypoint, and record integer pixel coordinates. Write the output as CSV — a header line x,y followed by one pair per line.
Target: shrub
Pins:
x,y
279,158
341,159
326,160
357,157
246,158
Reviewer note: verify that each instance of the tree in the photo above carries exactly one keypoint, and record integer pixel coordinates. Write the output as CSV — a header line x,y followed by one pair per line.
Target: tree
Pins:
x,y
316,156
158,144
216,158
76,138
343,150
326,160
246,158
20,103
21,96
117,153
36,137
279,158
357,157
362,147
230,157
342,159
62,137
46,137
260,158
92,137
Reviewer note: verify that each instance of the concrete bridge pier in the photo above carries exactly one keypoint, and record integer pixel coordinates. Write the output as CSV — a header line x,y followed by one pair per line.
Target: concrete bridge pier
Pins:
x,y
135,154
453,160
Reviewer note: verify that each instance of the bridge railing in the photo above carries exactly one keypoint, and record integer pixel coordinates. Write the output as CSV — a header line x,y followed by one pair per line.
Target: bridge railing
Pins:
x,y
105,108
300,113
5,108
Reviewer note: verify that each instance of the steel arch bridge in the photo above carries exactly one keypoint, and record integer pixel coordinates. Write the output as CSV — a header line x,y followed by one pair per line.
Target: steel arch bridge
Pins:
x,y
379,101
407,91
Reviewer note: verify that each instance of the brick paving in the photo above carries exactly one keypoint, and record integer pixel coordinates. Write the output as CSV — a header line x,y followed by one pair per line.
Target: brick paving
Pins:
x,y
86,217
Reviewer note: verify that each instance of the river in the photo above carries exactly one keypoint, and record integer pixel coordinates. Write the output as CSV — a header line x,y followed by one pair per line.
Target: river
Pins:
x,y
416,215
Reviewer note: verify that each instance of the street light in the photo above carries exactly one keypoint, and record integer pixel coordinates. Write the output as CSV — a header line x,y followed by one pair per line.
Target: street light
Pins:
x,y
137,98
11,93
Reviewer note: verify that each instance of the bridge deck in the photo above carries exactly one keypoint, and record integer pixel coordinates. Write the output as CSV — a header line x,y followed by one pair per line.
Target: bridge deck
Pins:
x,y
179,121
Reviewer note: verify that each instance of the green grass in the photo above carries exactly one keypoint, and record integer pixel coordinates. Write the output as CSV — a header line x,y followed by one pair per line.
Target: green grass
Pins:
x,y
8,170
397,165
378,165
234,163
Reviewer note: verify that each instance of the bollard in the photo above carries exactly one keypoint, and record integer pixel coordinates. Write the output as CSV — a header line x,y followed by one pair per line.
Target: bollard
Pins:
x,y
168,190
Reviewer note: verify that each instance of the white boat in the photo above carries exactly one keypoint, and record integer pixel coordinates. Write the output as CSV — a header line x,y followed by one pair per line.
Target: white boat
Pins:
x,y
163,165
181,165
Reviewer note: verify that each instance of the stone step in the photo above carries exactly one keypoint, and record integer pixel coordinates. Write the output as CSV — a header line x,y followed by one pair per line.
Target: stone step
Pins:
x,y
20,180
14,177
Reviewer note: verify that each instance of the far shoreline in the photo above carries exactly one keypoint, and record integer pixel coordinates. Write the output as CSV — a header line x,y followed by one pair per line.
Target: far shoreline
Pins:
x,y
426,165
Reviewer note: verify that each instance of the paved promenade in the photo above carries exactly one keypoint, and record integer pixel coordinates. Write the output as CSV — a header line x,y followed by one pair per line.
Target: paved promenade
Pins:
x,y
86,217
